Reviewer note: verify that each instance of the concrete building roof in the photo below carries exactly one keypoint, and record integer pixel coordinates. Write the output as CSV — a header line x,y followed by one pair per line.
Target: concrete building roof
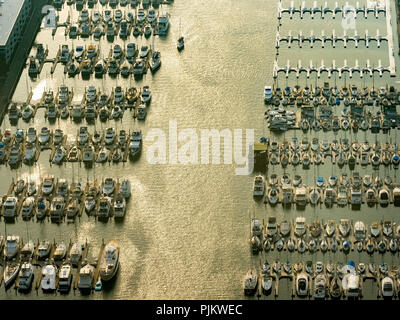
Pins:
x,y
9,11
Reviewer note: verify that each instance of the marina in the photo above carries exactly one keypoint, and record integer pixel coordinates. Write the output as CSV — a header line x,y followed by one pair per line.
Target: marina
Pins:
x,y
81,123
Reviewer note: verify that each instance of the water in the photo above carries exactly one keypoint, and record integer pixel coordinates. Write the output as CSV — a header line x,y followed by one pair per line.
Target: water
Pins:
x,y
185,235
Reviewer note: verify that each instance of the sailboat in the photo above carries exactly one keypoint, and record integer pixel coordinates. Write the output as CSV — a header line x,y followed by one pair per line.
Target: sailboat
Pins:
x,y
181,41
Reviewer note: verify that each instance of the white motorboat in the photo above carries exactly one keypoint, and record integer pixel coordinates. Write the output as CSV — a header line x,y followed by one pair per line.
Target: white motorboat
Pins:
x,y
65,278
300,226
76,253
119,207
255,228
146,95
60,251
344,227
109,136
302,284
135,145
73,209
49,274
387,288
48,185
108,186
360,231
57,208
110,261
300,197
44,136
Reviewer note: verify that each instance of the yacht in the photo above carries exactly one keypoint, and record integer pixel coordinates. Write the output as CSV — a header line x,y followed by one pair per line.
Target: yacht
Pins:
x,y
73,209
27,208
139,67
302,284
387,288
119,207
285,228
109,136
109,186
77,112
374,229
383,197
31,135
344,227
105,208
74,154
271,227
42,208
300,226
57,208
31,188
135,145
360,231
60,251
250,283
11,247
59,155
48,185
65,278
320,286
49,274
76,253
255,228
10,273
330,197
25,277
141,16
342,198
258,186
163,24
43,249
27,113
10,207
387,229
314,196
86,274
141,114
44,136
110,261
335,288
273,195
88,155
146,95
103,155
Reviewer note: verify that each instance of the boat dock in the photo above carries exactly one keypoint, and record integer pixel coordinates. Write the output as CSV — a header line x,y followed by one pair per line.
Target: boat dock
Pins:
x,y
323,11
333,39
330,70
